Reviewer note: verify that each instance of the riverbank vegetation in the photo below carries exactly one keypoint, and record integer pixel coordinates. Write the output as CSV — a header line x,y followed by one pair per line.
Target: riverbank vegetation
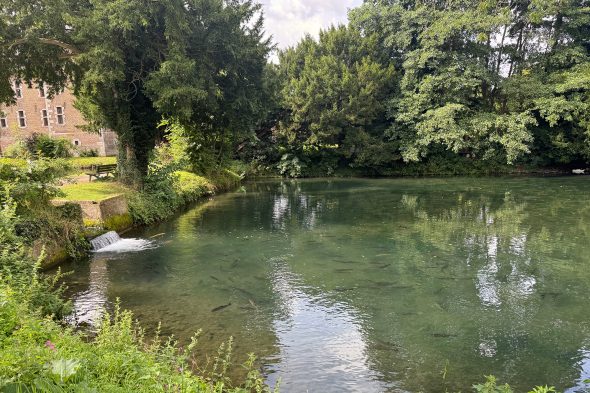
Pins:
x,y
421,87
38,354
404,88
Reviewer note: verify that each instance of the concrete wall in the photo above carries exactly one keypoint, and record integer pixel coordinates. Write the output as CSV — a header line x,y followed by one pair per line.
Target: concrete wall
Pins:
x,y
103,210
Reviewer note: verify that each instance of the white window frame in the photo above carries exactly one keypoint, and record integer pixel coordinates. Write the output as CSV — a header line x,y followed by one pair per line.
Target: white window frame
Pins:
x,y
58,114
3,122
18,89
77,143
42,92
23,118
45,117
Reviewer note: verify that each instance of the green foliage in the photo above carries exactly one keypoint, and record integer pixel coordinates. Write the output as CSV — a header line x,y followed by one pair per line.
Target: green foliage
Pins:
x,y
17,150
408,82
199,62
44,146
19,278
39,355
491,386
334,92
291,166
31,186
88,153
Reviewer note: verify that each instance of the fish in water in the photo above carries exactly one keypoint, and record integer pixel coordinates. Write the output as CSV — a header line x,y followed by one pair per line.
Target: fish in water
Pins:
x,y
341,289
384,266
382,345
158,235
343,270
348,262
549,294
443,335
219,308
215,278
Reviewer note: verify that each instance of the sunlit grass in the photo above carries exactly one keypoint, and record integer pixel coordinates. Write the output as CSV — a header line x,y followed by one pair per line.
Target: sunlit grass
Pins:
x,y
94,191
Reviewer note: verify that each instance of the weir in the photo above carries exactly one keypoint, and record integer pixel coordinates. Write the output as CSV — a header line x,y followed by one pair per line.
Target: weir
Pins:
x,y
110,242
105,240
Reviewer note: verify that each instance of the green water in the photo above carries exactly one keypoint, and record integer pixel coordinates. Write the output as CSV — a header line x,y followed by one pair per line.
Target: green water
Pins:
x,y
372,285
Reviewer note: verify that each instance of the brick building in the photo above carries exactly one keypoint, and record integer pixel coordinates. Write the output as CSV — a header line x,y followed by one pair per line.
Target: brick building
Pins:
x,y
34,112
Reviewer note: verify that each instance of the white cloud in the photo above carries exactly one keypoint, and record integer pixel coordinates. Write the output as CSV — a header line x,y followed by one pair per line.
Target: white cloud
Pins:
x,y
289,20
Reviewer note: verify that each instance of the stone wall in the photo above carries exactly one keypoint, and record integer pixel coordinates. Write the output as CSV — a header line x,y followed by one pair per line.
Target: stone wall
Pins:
x,y
101,211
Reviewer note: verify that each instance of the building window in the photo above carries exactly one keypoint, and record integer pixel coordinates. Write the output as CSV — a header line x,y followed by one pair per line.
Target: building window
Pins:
x,y
3,122
22,121
44,118
76,142
41,90
18,90
59,111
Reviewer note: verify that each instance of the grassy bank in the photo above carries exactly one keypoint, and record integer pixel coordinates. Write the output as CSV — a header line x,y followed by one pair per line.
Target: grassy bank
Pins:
x,y
59,232
38,354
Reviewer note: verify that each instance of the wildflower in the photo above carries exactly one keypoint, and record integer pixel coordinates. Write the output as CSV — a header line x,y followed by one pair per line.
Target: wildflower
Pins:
x,y
50,345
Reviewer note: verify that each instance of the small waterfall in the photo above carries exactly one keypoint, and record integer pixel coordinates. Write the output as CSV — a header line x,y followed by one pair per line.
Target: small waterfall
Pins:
x,y
110,242
104,240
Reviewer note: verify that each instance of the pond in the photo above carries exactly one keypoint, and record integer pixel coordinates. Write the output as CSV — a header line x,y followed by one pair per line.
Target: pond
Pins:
x,y
372,285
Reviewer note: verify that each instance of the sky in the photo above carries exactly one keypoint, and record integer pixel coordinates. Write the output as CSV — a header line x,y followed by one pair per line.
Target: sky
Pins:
x,y
289,20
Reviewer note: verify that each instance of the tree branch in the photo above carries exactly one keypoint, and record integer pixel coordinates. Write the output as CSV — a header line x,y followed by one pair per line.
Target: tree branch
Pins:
x,y
49,41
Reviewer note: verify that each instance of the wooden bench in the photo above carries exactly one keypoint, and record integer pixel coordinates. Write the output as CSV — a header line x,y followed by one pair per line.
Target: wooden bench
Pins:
x,y
99,171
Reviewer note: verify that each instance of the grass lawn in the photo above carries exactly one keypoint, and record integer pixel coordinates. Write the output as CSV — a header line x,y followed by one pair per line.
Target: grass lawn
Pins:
x,y
94,191
78,164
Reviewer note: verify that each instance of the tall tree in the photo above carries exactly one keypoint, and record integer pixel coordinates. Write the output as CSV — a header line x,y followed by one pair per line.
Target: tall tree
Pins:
x,y
130,61
481,77
335,90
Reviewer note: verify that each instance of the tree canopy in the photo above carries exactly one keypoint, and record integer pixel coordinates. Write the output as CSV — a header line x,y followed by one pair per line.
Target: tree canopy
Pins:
x,y
132,62
406,81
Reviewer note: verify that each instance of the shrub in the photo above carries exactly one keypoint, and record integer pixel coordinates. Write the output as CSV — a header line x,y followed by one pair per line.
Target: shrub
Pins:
x,y
166,189
191,187
17,150
88,153
291,166
33,184
30,187
41,145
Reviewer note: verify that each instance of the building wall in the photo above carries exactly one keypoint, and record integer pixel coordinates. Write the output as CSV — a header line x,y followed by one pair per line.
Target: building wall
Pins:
x,y
32,103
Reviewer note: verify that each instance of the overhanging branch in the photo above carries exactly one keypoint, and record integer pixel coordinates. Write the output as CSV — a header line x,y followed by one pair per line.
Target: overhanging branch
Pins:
x,y
73,51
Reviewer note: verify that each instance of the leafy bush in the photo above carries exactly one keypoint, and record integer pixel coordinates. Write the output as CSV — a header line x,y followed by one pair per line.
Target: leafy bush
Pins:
x,y
17,150
88,153
31,187
169,186
291,166
191,187
41,145
33,184
491,386
165,190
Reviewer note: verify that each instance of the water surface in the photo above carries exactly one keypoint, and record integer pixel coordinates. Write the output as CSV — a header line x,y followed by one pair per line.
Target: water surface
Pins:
x,y
372,285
